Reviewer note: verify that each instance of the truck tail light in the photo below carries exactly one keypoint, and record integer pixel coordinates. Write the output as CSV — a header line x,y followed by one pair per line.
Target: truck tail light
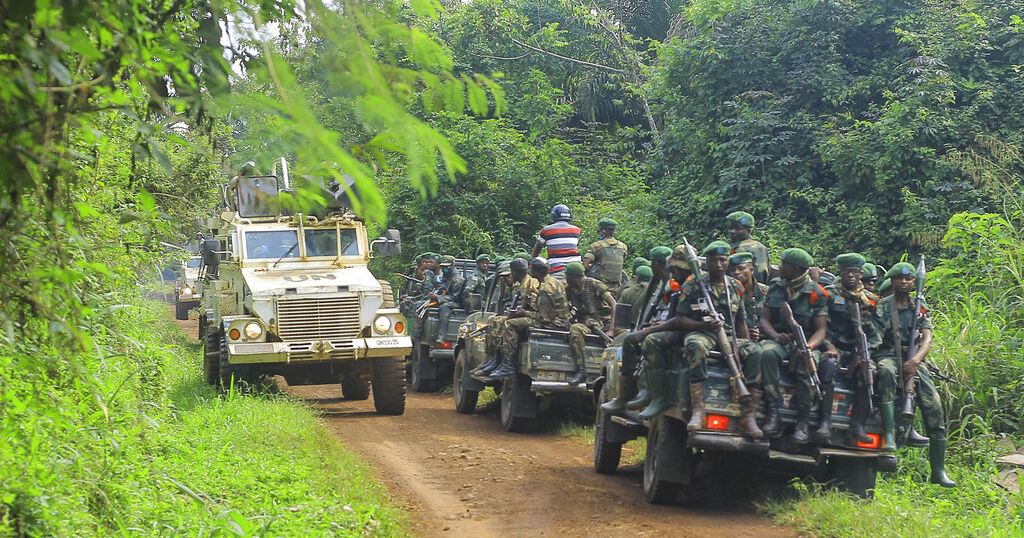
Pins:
x,y
400,327
443,345
717,422
874,444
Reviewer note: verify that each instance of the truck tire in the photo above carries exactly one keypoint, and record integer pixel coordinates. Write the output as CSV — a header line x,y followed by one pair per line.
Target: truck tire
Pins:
x,y
388,379
355,388
416,380
242,374
211,358
465,400
606,454
512,389
856,476
389,295
665,441
180,310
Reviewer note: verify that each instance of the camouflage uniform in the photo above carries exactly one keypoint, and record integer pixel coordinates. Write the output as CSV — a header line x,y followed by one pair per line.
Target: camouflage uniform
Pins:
x,y
753,303
551,312
591,316
633,295
700,344
760,253
607,257
475,284
658,308
927,394
841,333
522,295
418,295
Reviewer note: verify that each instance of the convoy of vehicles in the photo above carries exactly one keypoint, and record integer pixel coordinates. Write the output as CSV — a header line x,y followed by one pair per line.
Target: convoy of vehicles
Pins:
x,y
187,287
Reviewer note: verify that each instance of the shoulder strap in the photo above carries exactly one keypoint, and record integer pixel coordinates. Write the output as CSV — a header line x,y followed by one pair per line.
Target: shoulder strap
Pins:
x,y
895,321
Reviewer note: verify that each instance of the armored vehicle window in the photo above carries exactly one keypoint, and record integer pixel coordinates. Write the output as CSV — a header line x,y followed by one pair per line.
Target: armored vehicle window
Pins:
x,y
272,244
258,197
325,242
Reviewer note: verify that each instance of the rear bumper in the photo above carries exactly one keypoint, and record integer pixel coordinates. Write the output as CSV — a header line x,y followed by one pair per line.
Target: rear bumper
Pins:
x,y
558,386
727,442
320,351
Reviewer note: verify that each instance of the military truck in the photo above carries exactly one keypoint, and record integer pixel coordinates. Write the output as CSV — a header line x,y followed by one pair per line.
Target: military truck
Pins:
x,y
288,292
544,366
676,458
187,287
430,363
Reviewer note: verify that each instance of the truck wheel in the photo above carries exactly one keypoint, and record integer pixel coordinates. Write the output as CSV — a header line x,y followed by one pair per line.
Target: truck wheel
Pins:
x,y
388,378
856,476
180,310
510,391
664,442
242,374
606,454
211,358
355,388
465,400
389,295
416,380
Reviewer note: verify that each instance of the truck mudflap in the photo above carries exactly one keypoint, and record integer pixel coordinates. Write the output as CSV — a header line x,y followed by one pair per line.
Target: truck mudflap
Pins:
x,y
727,442
323,350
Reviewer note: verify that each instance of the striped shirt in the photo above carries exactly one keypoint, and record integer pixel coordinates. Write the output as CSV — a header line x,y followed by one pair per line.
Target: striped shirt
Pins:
x,y
562,241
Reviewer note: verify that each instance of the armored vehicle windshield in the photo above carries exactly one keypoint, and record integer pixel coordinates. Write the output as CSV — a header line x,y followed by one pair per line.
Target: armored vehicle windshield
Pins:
x,y
316,243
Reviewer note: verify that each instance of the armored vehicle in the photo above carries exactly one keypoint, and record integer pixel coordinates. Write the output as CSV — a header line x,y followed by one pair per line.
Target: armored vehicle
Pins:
x,y
676,458
289,293
187,287
430,363
544,366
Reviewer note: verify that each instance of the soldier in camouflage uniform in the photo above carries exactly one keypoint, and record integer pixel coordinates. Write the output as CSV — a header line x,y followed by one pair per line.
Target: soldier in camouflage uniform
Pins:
x,y
448,296
702,330
593,312
550,311
848,292
870,278
419,291
894,318
653,307
514,277
807,300
477,282
633,294
606,257
741,224
741,267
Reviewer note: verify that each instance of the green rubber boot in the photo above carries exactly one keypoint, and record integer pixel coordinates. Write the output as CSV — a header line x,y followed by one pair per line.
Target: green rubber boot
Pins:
x,y
657,384
888,427
937,459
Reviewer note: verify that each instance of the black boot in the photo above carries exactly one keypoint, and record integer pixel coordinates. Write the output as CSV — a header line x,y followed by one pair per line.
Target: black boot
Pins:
x,y
505,369
801,432
824,431
860,413
915,439
487,367
643,398
937,459
772,426
580,377
697,412
627,389
444,313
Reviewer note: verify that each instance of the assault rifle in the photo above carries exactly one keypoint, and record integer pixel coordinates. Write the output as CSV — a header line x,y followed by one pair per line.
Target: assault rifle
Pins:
x,y
863,361
804,350
410,278
910,384
723,339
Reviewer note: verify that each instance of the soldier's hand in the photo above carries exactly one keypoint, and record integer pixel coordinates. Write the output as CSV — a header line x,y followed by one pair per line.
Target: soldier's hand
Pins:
x,y
754,333
783,338
715,324
832,352
910,368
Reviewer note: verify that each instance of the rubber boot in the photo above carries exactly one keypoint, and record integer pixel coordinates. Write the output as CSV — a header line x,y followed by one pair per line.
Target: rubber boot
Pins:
x,y
915,439
824,431
856,432
888,427
748,415
627,388
443,315
801,433
487,367
580,377
642,399
697,412
657,384
505,369
772,426
937,459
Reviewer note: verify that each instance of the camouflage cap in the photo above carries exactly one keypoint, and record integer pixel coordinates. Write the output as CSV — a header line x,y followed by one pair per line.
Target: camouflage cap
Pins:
x,y
644,273
679,257
518,264
717,248
447,260
575,269
850,260
660,254
504,268
607,223
741,258
740,218
797,256
640,262
483,258
902,269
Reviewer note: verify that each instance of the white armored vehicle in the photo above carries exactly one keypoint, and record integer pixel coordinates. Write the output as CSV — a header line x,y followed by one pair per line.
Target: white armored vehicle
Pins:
x,y
287,292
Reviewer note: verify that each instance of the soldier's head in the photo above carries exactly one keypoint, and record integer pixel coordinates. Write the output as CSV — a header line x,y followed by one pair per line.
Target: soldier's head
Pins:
x,y
504,272
795,262
870,278
539,268
560,213
741,267
644,274
659,261
574,274
640,262
903,278
447,264
740,225
519,267
483,262
851,269
432,260
678,264
716,256
606,227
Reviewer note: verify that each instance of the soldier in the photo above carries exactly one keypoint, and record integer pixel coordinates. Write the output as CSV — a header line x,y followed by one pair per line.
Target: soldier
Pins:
x,y
840,296
606,257
633,294
419,291
448,295
550,311
807,301
895,318
702,335
741,224
514,277
741,267
593,309
870,279
477,282
561,239
653,307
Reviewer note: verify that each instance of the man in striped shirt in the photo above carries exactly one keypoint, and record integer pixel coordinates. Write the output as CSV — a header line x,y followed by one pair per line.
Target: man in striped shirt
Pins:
x,y
561,238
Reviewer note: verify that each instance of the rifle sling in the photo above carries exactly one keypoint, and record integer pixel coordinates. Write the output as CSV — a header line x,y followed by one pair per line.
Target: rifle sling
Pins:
x,y
896,340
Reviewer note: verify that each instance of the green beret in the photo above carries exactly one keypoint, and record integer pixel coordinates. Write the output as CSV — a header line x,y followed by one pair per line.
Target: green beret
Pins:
x,y
660,254
741,258
575,269
644,273
607,223
741,218
717,248
483,258
447,260
884,286
640,262
432,256
522,254
850,259
902,269
797,256
870,271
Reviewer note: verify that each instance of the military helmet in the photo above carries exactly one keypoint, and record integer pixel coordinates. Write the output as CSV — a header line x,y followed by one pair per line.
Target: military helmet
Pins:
x,y
560,212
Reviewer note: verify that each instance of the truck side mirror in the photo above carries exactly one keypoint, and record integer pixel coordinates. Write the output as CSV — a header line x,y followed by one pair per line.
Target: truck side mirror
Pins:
x,y
624,316
390,243
211,259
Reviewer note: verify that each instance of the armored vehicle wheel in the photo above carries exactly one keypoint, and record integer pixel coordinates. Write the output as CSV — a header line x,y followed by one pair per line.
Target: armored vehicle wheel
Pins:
x,y
355,387
242,374
606,454
180,310
416,380
211,358
513,389
465,400
388,378
855,475
666,446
